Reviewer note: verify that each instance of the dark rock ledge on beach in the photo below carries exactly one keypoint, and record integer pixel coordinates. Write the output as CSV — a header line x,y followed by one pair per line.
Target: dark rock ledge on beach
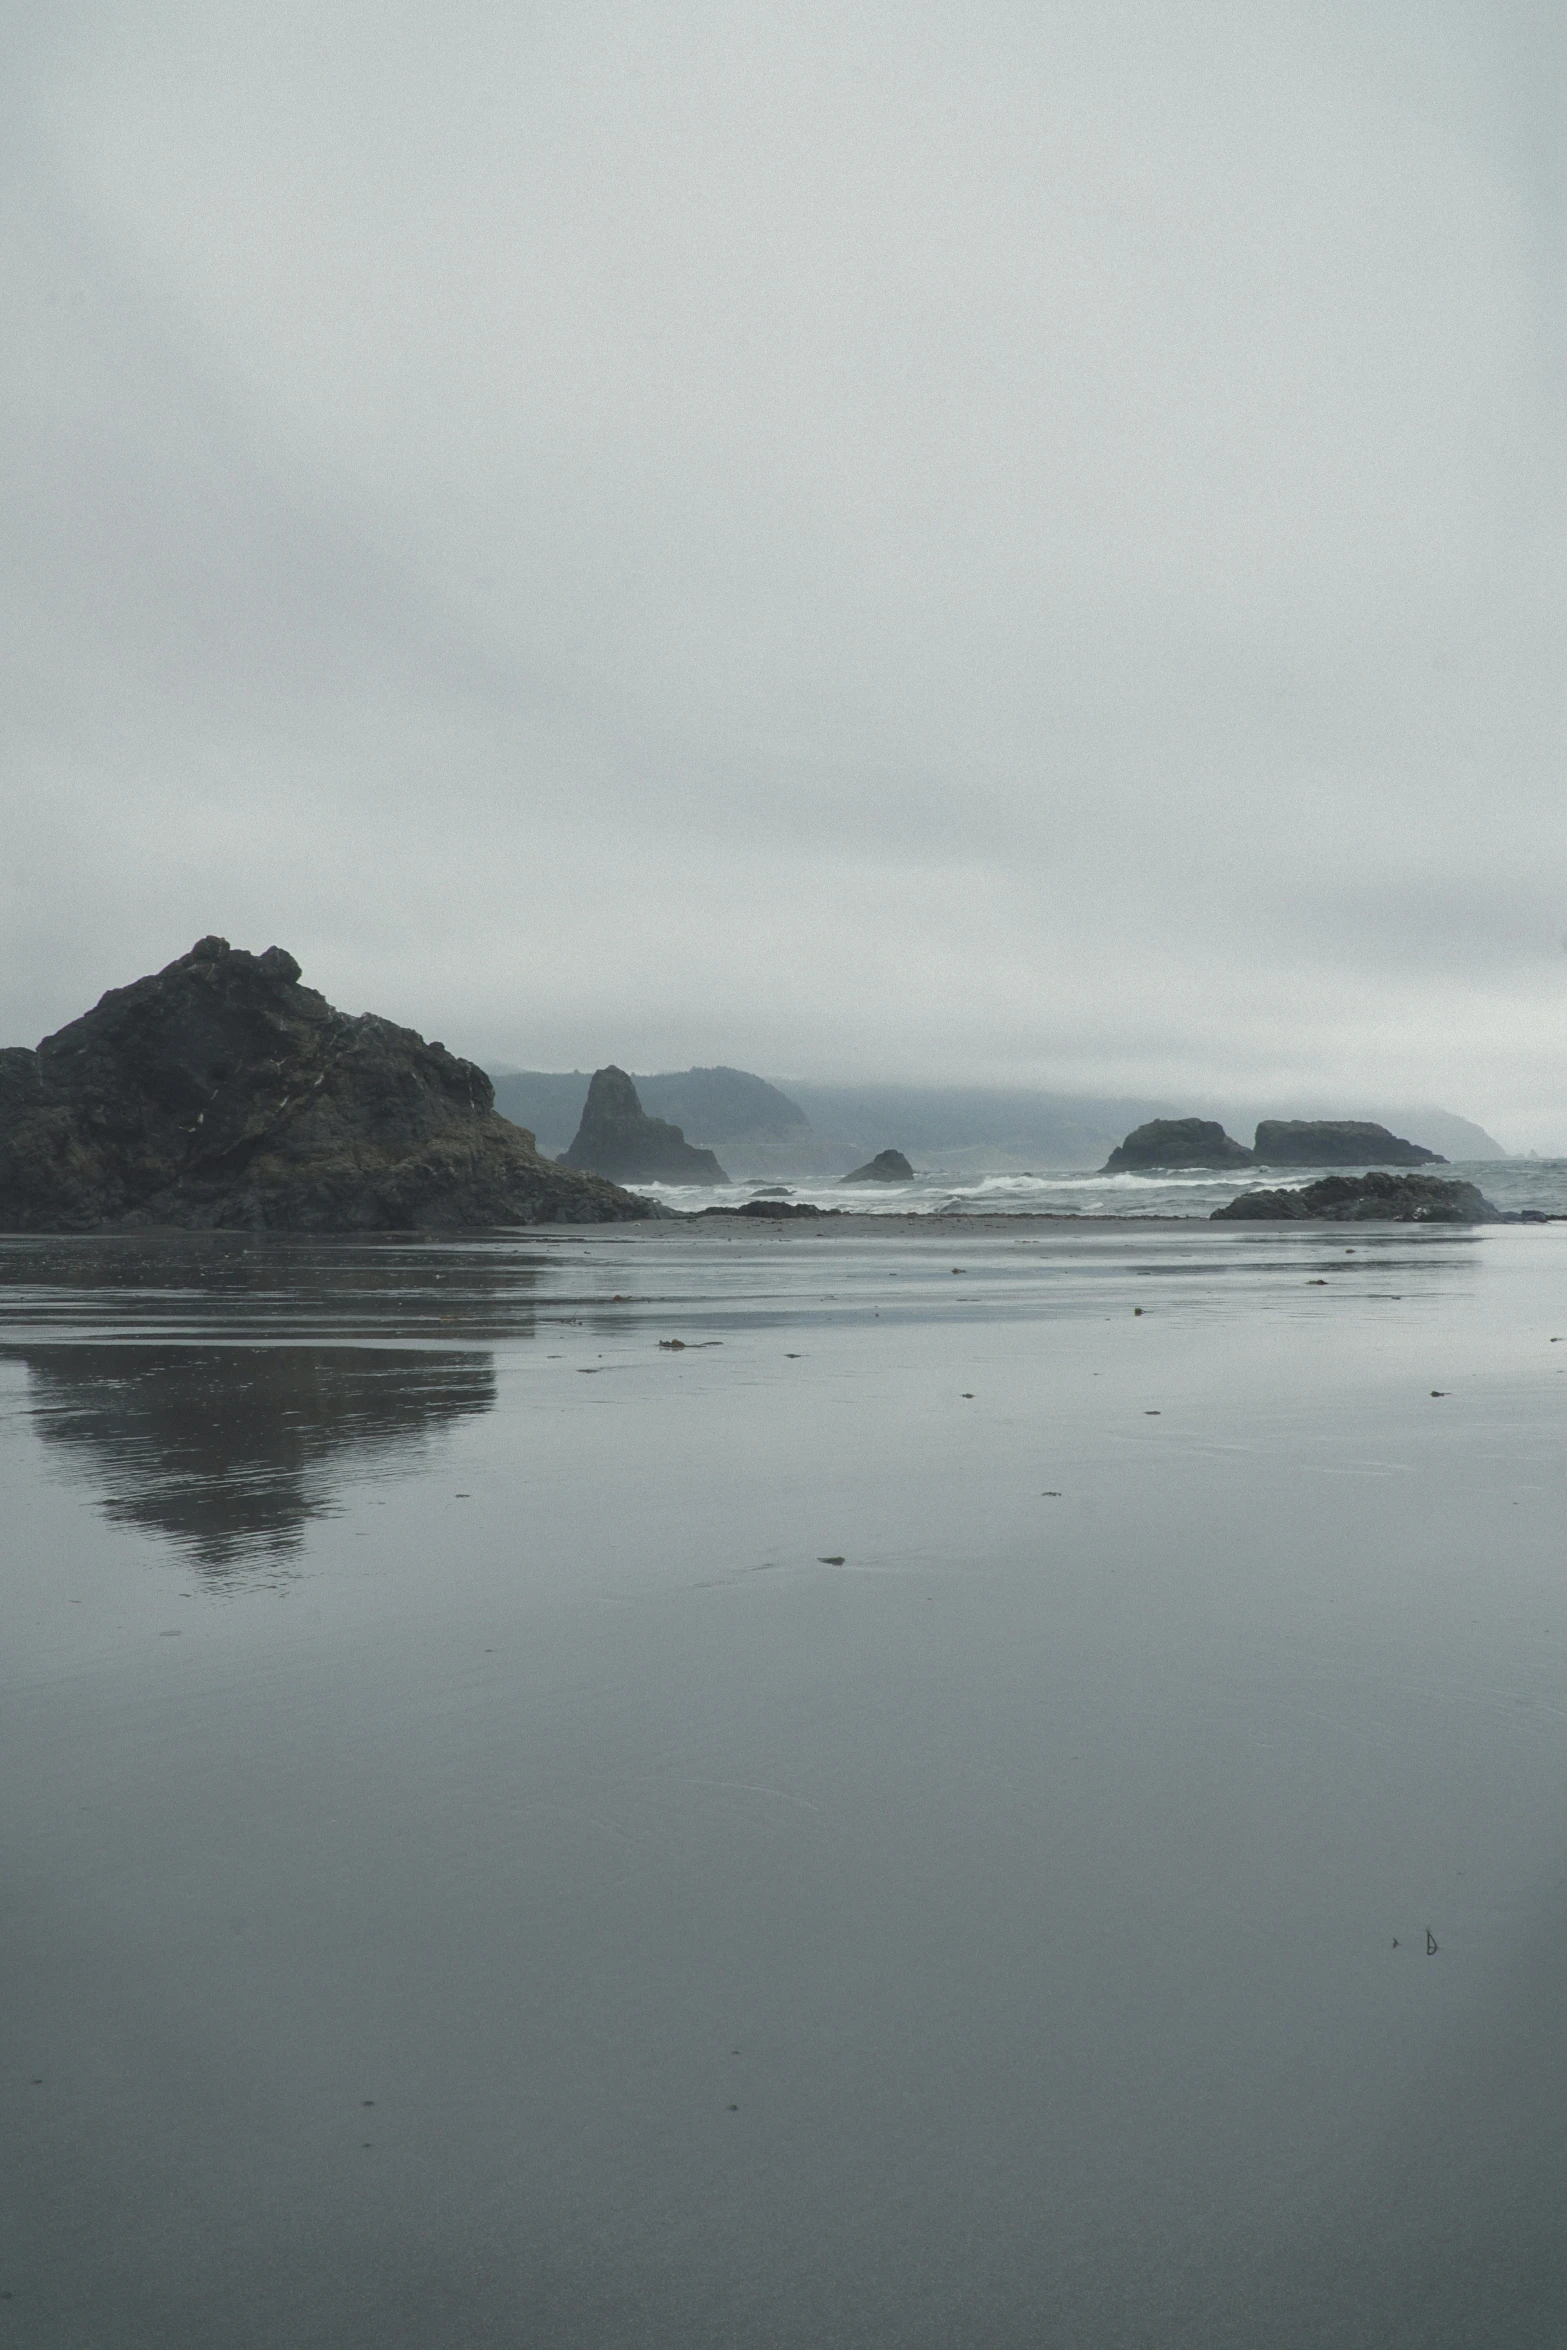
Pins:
x,y
617,1138
886,1167
219,1093
1362,1199
1176,1142
780,1210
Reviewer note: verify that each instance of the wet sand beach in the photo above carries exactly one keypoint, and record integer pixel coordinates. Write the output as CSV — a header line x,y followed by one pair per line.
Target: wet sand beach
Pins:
x,y
901,1781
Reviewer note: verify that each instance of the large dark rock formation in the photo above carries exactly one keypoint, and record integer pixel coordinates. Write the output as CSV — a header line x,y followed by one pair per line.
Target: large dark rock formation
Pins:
x,y
1336,1142
1176,1142
617,1138
1362,1199
886,1167
221,1093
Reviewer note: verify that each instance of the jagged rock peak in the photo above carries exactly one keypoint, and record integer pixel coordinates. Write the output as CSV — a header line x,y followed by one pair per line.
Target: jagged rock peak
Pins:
x,y
617,1138
612,1094
220,1092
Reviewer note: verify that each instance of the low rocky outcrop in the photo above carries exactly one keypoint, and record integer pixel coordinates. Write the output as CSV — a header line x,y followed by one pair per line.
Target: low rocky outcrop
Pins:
x,y
617,1138
1336,1142
1362,1199
886,1167
1176,1142
220,1093
777,1209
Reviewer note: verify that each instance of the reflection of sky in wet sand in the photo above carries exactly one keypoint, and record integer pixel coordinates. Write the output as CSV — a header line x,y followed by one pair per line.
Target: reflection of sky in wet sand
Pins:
x,y
230,1452
568,1907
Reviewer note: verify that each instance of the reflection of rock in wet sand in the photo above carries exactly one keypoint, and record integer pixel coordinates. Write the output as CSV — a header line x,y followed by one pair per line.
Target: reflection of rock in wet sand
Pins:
x,y
230,1451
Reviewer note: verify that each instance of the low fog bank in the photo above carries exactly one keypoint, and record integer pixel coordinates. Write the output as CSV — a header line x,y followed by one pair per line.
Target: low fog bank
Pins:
x,y
1017,547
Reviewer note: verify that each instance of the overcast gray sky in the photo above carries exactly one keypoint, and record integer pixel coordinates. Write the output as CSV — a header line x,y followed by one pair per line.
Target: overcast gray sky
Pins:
x,y
1020,542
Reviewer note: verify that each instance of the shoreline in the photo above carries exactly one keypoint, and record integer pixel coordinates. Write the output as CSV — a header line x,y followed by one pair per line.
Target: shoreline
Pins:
x,y
846,1224
1017,1222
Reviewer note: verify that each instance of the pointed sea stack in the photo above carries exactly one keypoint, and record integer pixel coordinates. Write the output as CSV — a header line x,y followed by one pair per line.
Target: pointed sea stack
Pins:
x,y
1176,1142
617,1138
886,1167
218,1094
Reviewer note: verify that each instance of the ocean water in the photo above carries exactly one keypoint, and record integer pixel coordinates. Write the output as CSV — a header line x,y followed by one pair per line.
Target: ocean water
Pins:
x,y
914,1785
1510,1184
